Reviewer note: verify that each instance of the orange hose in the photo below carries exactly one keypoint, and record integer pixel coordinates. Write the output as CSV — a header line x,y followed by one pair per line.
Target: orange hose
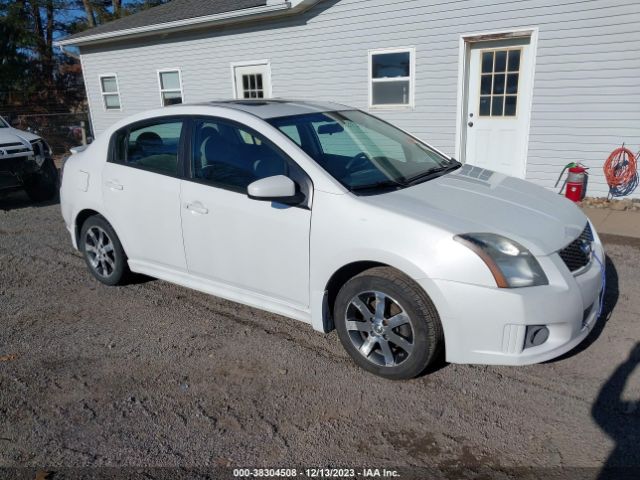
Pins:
x,y
620,169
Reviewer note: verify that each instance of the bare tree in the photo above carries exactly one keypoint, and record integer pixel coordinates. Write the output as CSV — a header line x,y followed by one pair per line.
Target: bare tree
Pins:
x,y
88,10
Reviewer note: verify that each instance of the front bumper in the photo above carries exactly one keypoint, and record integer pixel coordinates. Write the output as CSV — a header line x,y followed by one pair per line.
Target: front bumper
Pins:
x,y
487,325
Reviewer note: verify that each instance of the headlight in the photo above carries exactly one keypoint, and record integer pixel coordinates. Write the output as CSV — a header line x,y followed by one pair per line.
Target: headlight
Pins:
x,y
40,150
510,263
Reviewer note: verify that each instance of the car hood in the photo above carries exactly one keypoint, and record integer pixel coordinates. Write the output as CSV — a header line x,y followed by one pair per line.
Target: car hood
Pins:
x,y
473,199
11,135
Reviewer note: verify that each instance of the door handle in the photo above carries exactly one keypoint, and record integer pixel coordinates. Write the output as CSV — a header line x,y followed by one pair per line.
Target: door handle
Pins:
x,y
197,207
113,185
470,124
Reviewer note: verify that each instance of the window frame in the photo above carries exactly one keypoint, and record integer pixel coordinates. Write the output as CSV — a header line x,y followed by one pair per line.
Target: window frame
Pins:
x,y
411,78
161,90
111,155
105,94
305,182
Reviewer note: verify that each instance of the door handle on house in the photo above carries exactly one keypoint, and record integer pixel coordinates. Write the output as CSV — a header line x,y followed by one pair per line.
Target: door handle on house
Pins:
x,y
197,207
470,124
113,185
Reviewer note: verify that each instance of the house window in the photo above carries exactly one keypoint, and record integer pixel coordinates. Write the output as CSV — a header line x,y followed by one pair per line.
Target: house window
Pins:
x,y
170,87
110,92
391,77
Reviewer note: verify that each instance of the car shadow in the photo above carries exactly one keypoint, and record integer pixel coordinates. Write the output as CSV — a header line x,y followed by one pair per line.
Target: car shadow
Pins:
x,y
19,199
611,295
139,279
620,420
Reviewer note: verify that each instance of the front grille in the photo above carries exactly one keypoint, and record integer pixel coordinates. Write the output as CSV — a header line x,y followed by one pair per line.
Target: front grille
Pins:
x,y
15,144
578,253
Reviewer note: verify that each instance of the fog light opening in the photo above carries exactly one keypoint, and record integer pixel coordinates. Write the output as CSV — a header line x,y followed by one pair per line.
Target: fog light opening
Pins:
x,y
535,335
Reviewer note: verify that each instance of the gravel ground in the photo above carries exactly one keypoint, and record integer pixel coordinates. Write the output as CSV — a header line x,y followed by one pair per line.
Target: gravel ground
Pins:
x,y
153,374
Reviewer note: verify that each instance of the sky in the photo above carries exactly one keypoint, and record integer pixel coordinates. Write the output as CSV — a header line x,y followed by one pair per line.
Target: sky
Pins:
x,y
71,13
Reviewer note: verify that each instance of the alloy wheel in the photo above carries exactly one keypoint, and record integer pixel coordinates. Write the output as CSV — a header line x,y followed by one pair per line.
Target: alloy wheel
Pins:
x,y
100,251
379,328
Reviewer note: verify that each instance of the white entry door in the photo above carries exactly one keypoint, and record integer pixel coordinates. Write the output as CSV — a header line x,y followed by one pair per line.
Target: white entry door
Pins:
x,y
252,81
499,99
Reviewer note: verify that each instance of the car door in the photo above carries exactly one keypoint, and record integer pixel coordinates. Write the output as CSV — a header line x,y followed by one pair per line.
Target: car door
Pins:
x,y
141,191
249,244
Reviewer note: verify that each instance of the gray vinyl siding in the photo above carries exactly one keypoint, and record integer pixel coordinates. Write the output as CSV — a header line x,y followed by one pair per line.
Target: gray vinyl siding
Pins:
x,y
586,96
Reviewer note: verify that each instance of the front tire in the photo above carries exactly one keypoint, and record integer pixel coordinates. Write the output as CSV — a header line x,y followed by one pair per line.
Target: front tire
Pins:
x,y
103,252
43,185
388,324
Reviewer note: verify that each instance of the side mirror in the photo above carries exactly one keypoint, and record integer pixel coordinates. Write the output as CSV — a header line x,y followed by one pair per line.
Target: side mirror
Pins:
x,y
275,189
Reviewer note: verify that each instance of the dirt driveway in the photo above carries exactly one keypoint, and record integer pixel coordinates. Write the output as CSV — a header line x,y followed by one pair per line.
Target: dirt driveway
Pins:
x,y
153,374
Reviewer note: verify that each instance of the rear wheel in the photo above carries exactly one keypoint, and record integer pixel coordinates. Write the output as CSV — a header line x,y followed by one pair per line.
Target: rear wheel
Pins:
x,y
103,252
43,185
387,323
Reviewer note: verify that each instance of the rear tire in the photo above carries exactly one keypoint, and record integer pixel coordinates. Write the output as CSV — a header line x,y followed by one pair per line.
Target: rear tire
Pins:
x,y
43,185
388,324
103,252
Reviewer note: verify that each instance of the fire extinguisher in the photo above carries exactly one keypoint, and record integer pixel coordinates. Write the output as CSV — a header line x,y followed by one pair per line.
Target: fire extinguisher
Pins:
x,y
576,181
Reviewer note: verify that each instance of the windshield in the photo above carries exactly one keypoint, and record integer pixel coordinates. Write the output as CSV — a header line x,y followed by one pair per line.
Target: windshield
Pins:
x,y
363,152
3,123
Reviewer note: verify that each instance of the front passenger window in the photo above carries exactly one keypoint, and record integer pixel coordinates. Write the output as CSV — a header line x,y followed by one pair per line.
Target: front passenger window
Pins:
x,y
152,147
231,157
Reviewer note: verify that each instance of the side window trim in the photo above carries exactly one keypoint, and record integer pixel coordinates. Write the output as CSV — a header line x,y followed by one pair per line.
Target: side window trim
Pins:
x,y
112,152
189,159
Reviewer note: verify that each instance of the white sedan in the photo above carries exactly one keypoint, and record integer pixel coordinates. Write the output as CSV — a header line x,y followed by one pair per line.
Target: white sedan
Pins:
x,y
328,215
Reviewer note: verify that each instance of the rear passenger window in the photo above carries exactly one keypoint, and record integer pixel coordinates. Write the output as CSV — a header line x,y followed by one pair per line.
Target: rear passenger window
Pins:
x,y
152,147
228,156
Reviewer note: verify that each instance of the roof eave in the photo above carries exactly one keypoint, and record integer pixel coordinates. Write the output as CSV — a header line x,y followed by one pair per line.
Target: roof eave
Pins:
x,y
254,13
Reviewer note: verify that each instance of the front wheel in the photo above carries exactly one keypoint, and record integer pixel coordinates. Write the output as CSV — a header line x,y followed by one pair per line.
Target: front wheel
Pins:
x,y
103,252
43,185
388,324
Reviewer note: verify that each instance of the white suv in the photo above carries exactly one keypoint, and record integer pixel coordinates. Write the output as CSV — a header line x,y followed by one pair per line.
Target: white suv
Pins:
x,y
323,213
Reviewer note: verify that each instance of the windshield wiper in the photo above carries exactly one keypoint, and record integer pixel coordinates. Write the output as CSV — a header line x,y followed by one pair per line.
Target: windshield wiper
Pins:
x,y
433,173
378,185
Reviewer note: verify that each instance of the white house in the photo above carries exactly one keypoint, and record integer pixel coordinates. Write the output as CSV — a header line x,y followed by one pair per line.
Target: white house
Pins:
x,y
519,86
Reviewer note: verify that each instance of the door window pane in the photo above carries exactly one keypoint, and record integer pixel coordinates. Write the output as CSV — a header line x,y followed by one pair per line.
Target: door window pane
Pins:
x,y
510,105
228,156
512,83
501,61
496,105
499,82
514,60
485,106
155,147
485,84
487,62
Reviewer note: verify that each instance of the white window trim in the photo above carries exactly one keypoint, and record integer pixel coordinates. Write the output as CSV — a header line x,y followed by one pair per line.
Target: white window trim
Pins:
x,y
233,66
169,70
411,78
104,94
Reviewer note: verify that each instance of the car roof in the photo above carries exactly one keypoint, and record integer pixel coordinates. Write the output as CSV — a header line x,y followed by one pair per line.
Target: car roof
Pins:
x,y
277,107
